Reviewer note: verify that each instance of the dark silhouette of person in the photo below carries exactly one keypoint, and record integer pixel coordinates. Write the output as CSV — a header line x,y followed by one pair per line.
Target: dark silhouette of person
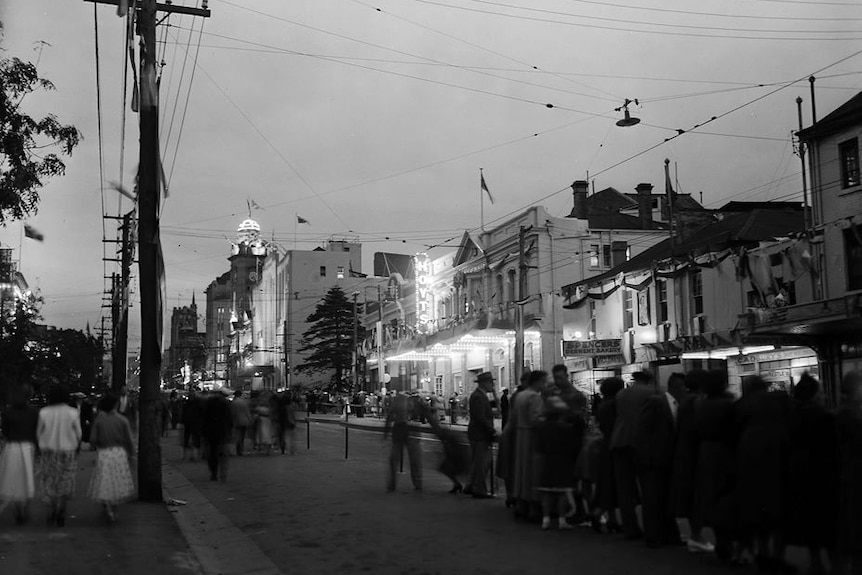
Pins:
x,y
217,428
504,407
480,433
398,426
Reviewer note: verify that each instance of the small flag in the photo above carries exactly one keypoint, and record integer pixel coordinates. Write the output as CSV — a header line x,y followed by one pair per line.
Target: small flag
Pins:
x,y
485,186
301,220
33,233
254,204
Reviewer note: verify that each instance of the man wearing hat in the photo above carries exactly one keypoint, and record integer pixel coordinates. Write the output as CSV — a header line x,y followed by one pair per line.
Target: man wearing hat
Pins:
x,y
481,433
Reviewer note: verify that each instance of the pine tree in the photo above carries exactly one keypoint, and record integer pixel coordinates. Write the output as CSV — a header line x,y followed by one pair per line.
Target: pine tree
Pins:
x,y
329,338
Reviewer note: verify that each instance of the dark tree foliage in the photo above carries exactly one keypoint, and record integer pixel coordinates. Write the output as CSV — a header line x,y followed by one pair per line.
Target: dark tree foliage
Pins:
x,y
30,148
329,339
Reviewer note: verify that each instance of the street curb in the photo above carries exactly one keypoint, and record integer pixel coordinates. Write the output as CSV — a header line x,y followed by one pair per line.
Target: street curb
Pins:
x,y
220,547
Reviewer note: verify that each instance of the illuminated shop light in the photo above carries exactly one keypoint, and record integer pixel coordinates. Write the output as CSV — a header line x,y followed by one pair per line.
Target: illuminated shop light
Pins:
x,y
726,352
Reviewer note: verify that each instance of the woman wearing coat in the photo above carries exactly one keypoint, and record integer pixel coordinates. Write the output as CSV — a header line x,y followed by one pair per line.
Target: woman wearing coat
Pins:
x,y
605,495
59,436
526,413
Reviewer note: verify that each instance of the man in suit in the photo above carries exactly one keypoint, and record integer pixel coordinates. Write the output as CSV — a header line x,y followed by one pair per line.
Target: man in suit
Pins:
x,y
656,445
624,441
480,433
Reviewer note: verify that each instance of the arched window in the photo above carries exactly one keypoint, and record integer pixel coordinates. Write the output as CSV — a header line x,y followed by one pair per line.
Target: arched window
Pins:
x,y
513,285
501,293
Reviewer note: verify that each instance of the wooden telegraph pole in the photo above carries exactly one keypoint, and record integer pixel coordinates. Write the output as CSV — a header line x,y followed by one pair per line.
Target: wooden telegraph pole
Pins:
x,y
150,264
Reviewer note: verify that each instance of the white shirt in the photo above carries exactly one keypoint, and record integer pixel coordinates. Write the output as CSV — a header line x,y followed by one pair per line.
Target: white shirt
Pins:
x,y
59,428
673,404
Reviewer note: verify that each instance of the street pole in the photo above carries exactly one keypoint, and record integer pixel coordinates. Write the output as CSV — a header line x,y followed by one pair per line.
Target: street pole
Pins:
x,y
381,368
120,315
519,307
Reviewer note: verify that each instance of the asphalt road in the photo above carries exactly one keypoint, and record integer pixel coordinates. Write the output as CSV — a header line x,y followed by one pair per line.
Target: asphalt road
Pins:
x,y
316,512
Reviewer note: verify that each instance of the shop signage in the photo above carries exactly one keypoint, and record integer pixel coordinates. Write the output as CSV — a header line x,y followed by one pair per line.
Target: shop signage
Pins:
x,y
772,374
593,347
578,364
422,267
603,361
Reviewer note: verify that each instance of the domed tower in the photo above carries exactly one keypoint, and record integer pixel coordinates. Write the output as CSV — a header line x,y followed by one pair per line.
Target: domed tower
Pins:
x,y
246,261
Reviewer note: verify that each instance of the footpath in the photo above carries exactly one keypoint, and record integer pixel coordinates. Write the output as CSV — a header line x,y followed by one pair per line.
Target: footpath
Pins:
x,y
374,423
184,535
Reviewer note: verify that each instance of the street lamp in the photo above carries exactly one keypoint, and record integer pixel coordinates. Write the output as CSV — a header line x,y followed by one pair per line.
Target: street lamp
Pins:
x,y
627,120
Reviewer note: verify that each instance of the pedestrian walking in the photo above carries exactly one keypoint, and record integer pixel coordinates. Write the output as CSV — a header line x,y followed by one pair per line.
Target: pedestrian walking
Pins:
x,y
577,404
455,460
630,403
59,437
684,466
558,443
656,442
216,432
17,480
193,416
481,433
263,429
174,406
813,490
504,408
111,483
397,425
286,423
605,495
849,427
241,415
527,410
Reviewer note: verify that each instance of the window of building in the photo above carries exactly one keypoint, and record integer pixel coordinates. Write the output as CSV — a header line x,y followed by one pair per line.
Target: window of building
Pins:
x,y
696,284
593,319
500,295
438,385
323,271
849,152
628,309
513,285
600,256
340,272
661,299
853,255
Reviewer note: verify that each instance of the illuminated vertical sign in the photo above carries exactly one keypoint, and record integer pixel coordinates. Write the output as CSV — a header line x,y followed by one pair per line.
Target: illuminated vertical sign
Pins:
x,y
422,267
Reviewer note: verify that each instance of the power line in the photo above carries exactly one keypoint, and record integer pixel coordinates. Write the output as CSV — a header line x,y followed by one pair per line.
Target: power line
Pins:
x,y
186,106
719,15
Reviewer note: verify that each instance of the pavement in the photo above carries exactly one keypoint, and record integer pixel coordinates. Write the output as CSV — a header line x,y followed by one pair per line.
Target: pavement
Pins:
x,y
317,512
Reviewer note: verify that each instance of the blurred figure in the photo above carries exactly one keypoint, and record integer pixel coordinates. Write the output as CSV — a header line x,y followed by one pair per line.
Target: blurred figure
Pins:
x,y
577,404
480,433
287,423
455,460
657,429
111,483
453,409
716,464
762,451
193,417
605,496
216,428
849,425
241,416
263,429
504,407
174,407
59,437
630,403
164,415
526,413
559,436
17,480
397,424
85,408
685,463
812,495
506,453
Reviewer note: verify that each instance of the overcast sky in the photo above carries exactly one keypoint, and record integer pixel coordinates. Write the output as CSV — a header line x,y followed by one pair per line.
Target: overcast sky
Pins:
x,y
371,118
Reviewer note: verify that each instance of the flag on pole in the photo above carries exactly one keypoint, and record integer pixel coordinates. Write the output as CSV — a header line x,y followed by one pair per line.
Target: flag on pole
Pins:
x,y
301,220
33,233
255,205
485,186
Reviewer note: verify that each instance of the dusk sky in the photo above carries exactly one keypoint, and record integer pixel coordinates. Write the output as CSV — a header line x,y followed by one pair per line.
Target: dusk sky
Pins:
x,y
372,118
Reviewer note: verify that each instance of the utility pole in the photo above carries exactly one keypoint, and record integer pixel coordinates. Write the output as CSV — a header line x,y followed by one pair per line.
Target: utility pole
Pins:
x,y
519,306
355,340
381,366
120,305
151,266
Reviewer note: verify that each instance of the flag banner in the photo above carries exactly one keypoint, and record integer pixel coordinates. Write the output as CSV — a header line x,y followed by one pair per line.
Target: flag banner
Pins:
x,y
301,220
255,205
485,187
33,233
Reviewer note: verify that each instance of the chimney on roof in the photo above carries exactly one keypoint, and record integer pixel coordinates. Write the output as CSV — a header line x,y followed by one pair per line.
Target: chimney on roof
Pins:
x,y
644,191
580,209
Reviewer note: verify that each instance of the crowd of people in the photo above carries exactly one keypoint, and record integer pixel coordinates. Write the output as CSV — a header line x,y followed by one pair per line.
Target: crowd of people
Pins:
x,y
763,471
44,444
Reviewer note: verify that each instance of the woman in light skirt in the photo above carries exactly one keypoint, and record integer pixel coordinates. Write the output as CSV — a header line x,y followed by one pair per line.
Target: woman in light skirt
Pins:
x,y
111,435
59,437
17,482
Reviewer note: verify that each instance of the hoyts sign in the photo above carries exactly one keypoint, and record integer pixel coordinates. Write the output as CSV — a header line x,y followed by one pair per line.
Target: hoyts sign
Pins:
x,y
592,347
422,267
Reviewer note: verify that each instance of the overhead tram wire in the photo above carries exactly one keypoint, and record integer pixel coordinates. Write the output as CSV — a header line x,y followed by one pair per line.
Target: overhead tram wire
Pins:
x,y
662,24
719,15
548,105
650,148
411,55
633,30
186,106
167,141
612,97
173,59
271,145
